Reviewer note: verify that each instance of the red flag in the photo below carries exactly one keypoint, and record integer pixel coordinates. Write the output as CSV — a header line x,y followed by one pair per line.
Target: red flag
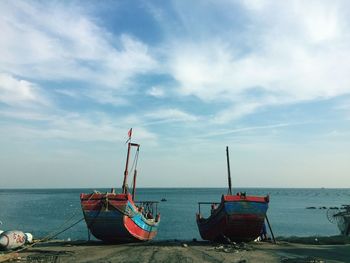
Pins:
x,y
130,133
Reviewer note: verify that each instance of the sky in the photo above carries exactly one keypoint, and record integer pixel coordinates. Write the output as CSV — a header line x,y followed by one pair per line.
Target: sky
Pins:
x,y
269,79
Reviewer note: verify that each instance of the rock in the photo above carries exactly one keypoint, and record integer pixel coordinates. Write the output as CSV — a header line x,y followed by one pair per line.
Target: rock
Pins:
x,y
242,245
219,247
184,245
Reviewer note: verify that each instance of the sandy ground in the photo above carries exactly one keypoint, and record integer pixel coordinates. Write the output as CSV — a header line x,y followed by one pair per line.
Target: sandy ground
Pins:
x,y
181,251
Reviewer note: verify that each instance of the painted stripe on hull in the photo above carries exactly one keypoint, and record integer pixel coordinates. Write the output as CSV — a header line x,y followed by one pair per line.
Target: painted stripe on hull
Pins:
x,y
244,207
138,232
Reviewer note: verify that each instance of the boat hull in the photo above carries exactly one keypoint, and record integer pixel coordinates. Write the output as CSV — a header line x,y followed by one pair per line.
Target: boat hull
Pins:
x,y
239,218
115,218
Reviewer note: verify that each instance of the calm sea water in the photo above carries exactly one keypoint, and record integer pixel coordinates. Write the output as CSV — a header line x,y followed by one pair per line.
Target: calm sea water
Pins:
x,y
43,211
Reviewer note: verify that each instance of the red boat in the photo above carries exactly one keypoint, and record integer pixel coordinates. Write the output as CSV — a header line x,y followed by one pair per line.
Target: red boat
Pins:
x,y
113,217
237,217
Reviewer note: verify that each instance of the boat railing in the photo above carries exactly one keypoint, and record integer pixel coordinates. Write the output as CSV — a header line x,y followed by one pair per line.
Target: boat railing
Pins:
x,y
206,203
148,207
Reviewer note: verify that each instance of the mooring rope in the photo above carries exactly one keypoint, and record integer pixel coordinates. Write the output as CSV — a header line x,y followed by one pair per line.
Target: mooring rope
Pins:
x,y
41,240
53,234
64,230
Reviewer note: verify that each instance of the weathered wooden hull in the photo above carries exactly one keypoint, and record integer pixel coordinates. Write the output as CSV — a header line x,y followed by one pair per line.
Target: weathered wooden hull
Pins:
x,y
115,218
239,218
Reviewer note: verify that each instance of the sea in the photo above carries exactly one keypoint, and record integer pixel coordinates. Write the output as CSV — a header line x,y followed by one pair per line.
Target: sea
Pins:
x,y
46,212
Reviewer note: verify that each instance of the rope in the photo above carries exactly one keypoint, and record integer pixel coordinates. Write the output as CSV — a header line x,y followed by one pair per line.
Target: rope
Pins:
x,y
52,235
43,239
64,230
134,164
62,225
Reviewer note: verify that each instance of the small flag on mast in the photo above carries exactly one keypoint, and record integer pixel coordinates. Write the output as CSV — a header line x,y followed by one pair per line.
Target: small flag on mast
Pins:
x,y
129,136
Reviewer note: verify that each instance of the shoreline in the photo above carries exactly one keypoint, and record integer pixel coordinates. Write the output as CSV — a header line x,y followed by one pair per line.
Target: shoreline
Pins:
x,y
297,249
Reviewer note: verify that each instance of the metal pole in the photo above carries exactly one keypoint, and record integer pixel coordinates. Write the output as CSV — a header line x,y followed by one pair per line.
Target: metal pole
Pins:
x,y
228,171
268,223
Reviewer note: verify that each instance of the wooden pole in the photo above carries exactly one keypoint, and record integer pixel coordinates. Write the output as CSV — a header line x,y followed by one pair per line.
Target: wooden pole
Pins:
x,y
268,223
228,171
126,169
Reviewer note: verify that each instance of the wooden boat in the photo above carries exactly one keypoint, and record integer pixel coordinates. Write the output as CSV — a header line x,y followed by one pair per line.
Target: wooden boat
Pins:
x,y
113,217
237,217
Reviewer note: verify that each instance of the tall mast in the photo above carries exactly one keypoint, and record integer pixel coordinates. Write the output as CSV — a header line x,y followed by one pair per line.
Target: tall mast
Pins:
x,y
228,171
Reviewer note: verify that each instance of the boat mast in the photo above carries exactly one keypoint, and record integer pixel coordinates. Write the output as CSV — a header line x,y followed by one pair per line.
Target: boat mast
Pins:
x,y
229,172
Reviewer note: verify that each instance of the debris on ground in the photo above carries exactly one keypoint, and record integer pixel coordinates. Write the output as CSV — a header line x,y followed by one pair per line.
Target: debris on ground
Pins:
x,y
233,247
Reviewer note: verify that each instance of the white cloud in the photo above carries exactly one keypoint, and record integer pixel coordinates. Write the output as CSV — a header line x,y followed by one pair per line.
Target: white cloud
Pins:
x,y
92,127
247,129
20,114
156,91
64,43
15,92
237,111
106,97
67,92
292,50
171,115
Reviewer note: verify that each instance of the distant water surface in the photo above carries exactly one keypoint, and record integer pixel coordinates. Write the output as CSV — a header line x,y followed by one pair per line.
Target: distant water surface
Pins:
x,y
41,211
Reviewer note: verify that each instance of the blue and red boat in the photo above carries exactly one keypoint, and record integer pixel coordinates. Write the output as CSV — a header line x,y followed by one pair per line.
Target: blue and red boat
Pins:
x,y
113,217
236,218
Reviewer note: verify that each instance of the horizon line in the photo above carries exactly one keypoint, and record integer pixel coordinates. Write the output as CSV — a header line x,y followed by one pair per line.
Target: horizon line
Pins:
x,y
176,187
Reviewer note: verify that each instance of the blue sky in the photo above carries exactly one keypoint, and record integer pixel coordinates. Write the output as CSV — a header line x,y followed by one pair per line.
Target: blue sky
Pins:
x,y
270,79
